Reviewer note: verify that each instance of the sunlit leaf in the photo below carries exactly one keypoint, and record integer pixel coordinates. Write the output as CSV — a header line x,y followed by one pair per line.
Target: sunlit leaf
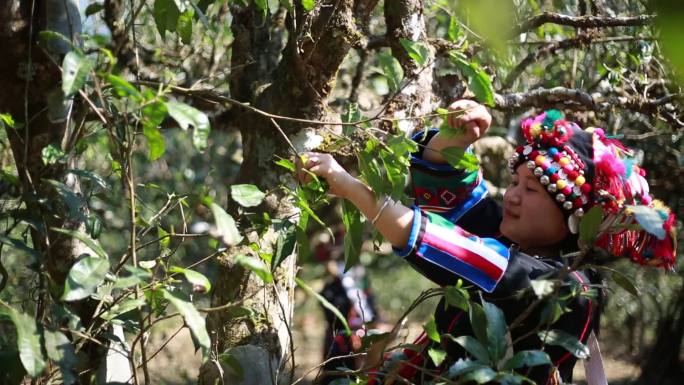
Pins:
x,y
247,195
478,81
542,287
52,154
193,320
225,226
392,70
75,68
437,356
123,88
136,276
92,245
430,328
285,164
457,297
461,159
92,176
256,265
84,278
308,5
417,51
325,303
123,307
184,26
187,116
194,277
649,219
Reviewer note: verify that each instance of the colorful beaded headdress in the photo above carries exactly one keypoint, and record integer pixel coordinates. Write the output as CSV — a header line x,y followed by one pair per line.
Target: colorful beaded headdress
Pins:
x,y
582,169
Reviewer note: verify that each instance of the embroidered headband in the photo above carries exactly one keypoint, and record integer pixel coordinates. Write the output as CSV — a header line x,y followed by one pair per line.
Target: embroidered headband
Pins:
x,y
582,169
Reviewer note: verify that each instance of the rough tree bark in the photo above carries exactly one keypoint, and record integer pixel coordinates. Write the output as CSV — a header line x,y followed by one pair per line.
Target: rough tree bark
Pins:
x,y
297,86
30,77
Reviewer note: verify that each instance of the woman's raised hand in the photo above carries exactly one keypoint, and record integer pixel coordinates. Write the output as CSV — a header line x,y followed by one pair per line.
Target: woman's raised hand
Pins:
x,y
474,119
326,167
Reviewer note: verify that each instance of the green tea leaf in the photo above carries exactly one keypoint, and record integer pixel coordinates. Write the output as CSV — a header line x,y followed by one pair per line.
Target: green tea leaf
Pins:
x,y
308,5
155,142
256,265
282,162
626,283
232,363
325,303
166,14
184,26
565,340
123,307
92,176
28,341
392,70
92,245
247,195
193,320
136,276
478,81
225,226
84,278
496,331
20,245
353,236
285,244
527,358
52,154
430,328
60,350
589,225
187,116
454,29
123,88
437,356
478,320
457,298
93,8
194,277
473,347
461,159
75,68
417,51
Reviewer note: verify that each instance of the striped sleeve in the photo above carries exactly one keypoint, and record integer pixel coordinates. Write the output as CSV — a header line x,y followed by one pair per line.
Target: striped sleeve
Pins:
x,y
443,252
441,188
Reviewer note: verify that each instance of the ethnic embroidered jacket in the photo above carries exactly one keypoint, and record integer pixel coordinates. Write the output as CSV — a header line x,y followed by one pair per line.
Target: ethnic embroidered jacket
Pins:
x,y
455,235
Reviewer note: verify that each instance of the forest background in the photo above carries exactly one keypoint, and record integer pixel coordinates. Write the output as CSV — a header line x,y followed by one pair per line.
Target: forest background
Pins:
x,y
146,189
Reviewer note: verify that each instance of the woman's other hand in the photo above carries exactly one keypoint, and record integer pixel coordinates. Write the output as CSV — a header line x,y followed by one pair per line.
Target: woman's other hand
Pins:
x,y
326,167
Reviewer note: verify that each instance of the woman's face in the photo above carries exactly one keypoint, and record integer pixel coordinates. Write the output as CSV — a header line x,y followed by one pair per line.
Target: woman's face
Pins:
x,y
531,218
